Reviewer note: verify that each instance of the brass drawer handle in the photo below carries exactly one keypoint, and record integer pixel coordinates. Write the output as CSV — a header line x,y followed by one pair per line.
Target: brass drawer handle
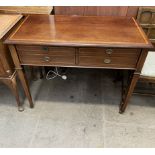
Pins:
x,y
109,51
45,48
107,61
46,58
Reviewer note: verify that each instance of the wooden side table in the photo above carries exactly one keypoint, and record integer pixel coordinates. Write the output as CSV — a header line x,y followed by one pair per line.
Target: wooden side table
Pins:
x,y
7,71
81,42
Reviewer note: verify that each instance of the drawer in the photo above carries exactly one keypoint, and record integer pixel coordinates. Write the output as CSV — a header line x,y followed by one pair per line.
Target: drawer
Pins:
x,y
105,57
44,55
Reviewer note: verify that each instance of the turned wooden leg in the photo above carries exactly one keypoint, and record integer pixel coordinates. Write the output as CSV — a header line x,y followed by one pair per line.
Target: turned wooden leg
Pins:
x,y
21,74
12,84
127,94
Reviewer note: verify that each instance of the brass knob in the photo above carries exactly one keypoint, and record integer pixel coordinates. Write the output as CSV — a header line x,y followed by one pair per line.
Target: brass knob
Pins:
x,y
107,61
46,58
45,48
109,51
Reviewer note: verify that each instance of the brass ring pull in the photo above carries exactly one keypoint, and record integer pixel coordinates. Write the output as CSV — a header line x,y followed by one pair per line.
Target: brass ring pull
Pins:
x,y
107,61
46,58
109,51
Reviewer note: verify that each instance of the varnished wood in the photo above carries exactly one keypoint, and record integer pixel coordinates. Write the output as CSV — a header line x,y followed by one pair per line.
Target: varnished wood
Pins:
x,y
6,63
48,60
7,71
46,55
65,56
26,9
80,31
141,60
11,82
7,22
133,81
21,75
127,94
119,58
80,41
41,50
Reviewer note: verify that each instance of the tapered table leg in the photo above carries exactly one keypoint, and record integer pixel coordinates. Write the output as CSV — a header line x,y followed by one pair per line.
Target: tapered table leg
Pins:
x,y
128,92
133,80
21,74
25,85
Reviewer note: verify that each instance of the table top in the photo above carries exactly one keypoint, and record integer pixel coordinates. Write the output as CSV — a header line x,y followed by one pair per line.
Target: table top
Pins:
x,y
7,22
98,31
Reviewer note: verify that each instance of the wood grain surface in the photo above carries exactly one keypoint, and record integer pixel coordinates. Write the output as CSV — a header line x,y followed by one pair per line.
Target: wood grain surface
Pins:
x,y
26,9
7,22
103,31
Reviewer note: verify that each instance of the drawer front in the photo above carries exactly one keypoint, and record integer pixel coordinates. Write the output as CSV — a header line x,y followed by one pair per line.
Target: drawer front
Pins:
x,y
105,57
44,55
